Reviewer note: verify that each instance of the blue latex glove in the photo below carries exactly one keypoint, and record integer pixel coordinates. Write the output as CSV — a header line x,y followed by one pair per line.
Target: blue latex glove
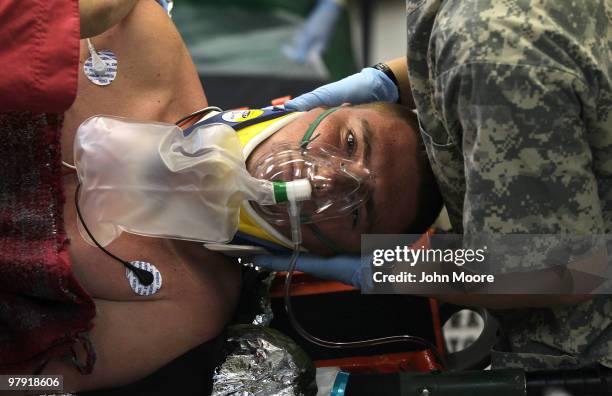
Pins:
x,y
369,85
343,268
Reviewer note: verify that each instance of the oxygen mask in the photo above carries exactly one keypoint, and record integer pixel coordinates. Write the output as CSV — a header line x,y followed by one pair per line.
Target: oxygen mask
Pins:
x,y
338,184
152,179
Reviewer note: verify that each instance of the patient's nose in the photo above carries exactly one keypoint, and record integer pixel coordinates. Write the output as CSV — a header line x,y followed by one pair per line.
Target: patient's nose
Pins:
x,y
340,181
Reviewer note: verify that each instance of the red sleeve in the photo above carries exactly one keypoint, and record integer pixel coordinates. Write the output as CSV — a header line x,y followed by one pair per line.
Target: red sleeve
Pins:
x,y
39,54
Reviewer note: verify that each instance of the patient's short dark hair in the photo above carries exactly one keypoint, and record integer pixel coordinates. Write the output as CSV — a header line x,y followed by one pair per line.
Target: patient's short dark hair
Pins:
x,y
429,198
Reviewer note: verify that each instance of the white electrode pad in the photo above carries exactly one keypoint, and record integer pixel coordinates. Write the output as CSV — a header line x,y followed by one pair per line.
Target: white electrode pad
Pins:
x,y
110,59
138,287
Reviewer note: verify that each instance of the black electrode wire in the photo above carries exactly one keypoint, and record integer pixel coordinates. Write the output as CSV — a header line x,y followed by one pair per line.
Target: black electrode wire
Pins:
x,y
198,112
144,276
352,344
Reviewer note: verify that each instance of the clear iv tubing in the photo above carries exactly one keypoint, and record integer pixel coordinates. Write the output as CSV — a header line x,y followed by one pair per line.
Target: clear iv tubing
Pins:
x,y
296,234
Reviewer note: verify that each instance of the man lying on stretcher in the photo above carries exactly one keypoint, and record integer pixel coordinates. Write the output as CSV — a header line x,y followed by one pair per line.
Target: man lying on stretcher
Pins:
x,y
135,335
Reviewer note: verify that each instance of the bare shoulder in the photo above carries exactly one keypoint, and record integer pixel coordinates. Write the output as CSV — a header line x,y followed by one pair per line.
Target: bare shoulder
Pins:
x,y
156,78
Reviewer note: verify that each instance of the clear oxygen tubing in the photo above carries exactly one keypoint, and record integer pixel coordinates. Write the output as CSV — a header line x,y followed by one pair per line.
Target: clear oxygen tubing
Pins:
x,y
296,236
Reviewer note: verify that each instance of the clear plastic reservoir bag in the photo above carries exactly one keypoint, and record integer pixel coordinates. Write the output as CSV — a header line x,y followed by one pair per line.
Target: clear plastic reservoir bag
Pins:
x,y
148,179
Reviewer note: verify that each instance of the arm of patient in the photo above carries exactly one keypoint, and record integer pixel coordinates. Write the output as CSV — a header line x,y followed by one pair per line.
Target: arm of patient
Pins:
x,y
97,16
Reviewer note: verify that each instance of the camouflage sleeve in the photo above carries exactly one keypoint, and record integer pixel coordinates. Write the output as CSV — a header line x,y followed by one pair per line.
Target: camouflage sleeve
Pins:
x,y
527,160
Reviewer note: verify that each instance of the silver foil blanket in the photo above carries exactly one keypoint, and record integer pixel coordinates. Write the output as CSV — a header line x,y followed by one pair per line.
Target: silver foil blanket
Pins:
x,y
262,361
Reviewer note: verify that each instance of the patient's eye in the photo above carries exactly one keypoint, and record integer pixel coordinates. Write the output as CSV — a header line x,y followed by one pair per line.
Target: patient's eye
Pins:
x,y
351,142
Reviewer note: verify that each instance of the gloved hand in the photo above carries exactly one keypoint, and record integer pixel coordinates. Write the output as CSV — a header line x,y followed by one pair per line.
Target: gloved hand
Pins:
x,y
342,268
369,85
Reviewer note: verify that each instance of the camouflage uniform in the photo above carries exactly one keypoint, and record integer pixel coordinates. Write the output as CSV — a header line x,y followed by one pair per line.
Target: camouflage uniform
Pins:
x,y
515,103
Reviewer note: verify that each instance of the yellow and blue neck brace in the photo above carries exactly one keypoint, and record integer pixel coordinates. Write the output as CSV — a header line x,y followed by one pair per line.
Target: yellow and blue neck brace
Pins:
x,y
253,127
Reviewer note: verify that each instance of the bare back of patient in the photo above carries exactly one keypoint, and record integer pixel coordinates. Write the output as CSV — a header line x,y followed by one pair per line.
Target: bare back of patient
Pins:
x,y
135,335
